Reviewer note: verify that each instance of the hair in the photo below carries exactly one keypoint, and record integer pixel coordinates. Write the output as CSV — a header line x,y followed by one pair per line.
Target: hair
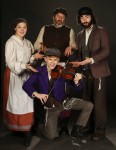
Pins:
x,y
85,11
60,10
15,22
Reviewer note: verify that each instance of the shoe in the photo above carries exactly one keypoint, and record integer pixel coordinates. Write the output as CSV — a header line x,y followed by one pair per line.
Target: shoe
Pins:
x,y
34,131
27,139
64,130
18,133
98,136
77,131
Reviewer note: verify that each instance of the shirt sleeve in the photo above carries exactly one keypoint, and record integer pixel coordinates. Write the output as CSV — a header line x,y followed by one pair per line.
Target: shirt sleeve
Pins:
x,y
39,40
32,57
11,59
72,39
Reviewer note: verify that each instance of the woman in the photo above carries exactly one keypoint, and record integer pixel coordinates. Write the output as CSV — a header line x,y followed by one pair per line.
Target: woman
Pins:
x,y
17,106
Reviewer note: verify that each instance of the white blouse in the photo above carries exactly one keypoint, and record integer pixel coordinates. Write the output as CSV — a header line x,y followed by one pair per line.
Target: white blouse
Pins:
x,y
18,53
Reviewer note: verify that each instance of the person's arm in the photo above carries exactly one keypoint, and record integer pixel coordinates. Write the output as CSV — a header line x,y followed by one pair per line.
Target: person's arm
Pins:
x,y
29,88
42,97
77,83
104,49
39,40
11,59
30,84
72,44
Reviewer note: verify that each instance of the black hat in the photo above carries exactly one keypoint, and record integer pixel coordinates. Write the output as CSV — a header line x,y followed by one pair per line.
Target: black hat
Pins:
x,y
60,10
52,52
85,11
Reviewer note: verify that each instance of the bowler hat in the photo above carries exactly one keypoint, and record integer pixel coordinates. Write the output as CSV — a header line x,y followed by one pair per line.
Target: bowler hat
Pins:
x,y
52,52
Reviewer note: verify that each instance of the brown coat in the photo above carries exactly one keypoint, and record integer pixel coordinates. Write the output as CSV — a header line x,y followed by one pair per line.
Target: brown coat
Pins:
x,y
99,50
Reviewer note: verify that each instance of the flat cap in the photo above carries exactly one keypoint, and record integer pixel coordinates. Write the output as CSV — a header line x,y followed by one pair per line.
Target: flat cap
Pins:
x,y
52,52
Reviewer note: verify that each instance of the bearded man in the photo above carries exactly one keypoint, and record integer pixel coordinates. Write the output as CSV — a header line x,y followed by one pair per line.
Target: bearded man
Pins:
x,y
93,47
57,35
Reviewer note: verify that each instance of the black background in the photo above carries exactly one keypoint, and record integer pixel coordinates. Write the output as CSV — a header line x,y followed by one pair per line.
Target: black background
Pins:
x,y
39,13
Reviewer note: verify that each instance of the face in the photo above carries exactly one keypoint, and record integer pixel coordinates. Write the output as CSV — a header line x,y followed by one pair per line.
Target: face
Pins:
x,y
21,30
51,61
86,21
59,19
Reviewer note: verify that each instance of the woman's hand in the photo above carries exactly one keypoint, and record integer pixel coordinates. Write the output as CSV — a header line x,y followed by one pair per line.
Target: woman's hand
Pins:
x,y
38,55
28,66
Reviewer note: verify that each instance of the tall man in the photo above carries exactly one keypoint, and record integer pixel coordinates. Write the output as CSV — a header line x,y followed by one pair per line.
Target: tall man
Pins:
x,y
93,46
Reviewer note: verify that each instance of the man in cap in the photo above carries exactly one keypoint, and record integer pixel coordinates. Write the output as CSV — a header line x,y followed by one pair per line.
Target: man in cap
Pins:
x,y
93,47
57,35
52,94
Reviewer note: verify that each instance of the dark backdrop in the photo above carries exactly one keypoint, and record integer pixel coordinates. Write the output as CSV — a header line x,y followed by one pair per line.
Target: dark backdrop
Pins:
x,y
39,13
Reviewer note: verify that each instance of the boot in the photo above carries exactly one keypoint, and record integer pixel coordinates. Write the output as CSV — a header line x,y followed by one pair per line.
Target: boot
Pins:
x,y
27,138
77,131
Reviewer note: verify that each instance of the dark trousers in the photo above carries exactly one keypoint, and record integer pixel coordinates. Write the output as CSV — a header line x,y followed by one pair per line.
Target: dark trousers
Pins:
x,y
95,91
39,113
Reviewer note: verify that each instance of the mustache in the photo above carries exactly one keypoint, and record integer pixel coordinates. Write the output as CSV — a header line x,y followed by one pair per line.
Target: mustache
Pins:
x,y
85,22
59,20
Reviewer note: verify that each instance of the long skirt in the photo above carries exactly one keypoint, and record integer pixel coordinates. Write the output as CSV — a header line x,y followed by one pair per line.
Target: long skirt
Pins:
x,y
14,122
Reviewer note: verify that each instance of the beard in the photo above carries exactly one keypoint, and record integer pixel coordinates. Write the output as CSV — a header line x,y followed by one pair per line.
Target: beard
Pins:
x,y
86,24
58,24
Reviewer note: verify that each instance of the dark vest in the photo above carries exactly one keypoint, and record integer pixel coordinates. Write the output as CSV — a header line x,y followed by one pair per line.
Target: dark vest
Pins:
x,y
57,38
85,52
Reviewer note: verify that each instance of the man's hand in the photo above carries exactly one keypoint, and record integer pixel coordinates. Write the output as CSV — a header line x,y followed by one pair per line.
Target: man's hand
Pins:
x,y
68,51
81,63
43,47
86,61
75,63
28,66
77,78
43,97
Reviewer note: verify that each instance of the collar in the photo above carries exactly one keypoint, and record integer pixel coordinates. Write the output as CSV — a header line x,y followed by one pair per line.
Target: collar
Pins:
x,y
88,30
21,42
